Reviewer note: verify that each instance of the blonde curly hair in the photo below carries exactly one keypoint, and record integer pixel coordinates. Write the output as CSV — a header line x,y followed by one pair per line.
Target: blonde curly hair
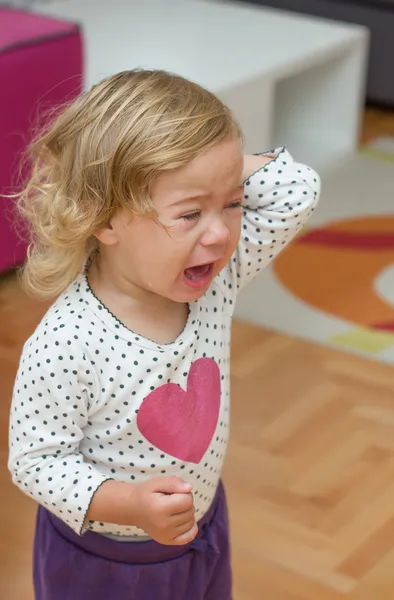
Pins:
x,y
101,154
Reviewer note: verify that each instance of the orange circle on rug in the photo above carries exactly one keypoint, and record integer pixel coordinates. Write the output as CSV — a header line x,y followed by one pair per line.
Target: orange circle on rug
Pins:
x,y
333,268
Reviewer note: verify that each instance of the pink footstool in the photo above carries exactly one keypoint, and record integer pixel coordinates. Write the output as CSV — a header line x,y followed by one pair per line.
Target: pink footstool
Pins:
x,y
41,66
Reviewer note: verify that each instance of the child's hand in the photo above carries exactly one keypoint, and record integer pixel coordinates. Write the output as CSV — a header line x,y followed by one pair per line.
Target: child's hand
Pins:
x,y
163,507
253,163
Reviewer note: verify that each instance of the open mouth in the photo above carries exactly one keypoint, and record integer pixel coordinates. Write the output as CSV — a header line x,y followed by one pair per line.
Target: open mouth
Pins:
x,y
199,275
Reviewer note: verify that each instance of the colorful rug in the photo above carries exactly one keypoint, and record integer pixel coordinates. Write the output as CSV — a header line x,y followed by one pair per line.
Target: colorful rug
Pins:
x,y
335,284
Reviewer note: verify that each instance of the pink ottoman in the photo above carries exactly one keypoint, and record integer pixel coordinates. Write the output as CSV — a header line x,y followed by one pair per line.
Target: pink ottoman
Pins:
x,y
41,66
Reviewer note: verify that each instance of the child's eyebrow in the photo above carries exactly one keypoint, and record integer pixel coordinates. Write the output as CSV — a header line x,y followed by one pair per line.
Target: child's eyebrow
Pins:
x,y
197,195
188,198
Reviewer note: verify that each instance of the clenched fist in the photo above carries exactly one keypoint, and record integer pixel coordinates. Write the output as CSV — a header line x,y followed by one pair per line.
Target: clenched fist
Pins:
x,y
163,507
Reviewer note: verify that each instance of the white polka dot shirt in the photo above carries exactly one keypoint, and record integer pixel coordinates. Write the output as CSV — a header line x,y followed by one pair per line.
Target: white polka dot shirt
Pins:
x,y
94,401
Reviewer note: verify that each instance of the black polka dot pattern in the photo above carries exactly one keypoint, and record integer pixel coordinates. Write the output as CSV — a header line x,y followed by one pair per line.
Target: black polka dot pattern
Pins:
x,y
278,200
83,375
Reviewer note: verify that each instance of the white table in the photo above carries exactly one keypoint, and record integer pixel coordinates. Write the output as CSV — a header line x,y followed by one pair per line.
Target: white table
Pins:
x,y
289,79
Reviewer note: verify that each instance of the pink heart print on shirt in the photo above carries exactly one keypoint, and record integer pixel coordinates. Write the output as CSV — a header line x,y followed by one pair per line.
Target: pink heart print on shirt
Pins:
x,y
182,423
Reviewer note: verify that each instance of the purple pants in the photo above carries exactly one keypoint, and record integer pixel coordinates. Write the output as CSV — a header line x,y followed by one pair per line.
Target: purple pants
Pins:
x,y
92,567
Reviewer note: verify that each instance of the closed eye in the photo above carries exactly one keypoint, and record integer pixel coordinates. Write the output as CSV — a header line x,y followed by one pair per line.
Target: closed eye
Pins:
x,y
192,216
197,214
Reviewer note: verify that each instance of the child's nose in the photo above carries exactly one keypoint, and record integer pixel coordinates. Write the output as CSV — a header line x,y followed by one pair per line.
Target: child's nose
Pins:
x,y
216,234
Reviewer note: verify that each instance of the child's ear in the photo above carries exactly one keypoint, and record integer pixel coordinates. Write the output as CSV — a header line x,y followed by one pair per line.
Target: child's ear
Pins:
x,y
114,231
106,235
109,234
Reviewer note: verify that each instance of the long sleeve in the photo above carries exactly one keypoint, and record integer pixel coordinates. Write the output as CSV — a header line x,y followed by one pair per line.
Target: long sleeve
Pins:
x,y
52,392
278,200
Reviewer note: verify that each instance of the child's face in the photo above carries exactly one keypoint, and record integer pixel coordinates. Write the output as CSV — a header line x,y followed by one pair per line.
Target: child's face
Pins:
x,y
200,205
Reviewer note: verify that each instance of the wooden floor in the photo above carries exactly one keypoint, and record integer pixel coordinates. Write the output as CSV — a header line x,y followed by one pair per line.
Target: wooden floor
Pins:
x,y
309,473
